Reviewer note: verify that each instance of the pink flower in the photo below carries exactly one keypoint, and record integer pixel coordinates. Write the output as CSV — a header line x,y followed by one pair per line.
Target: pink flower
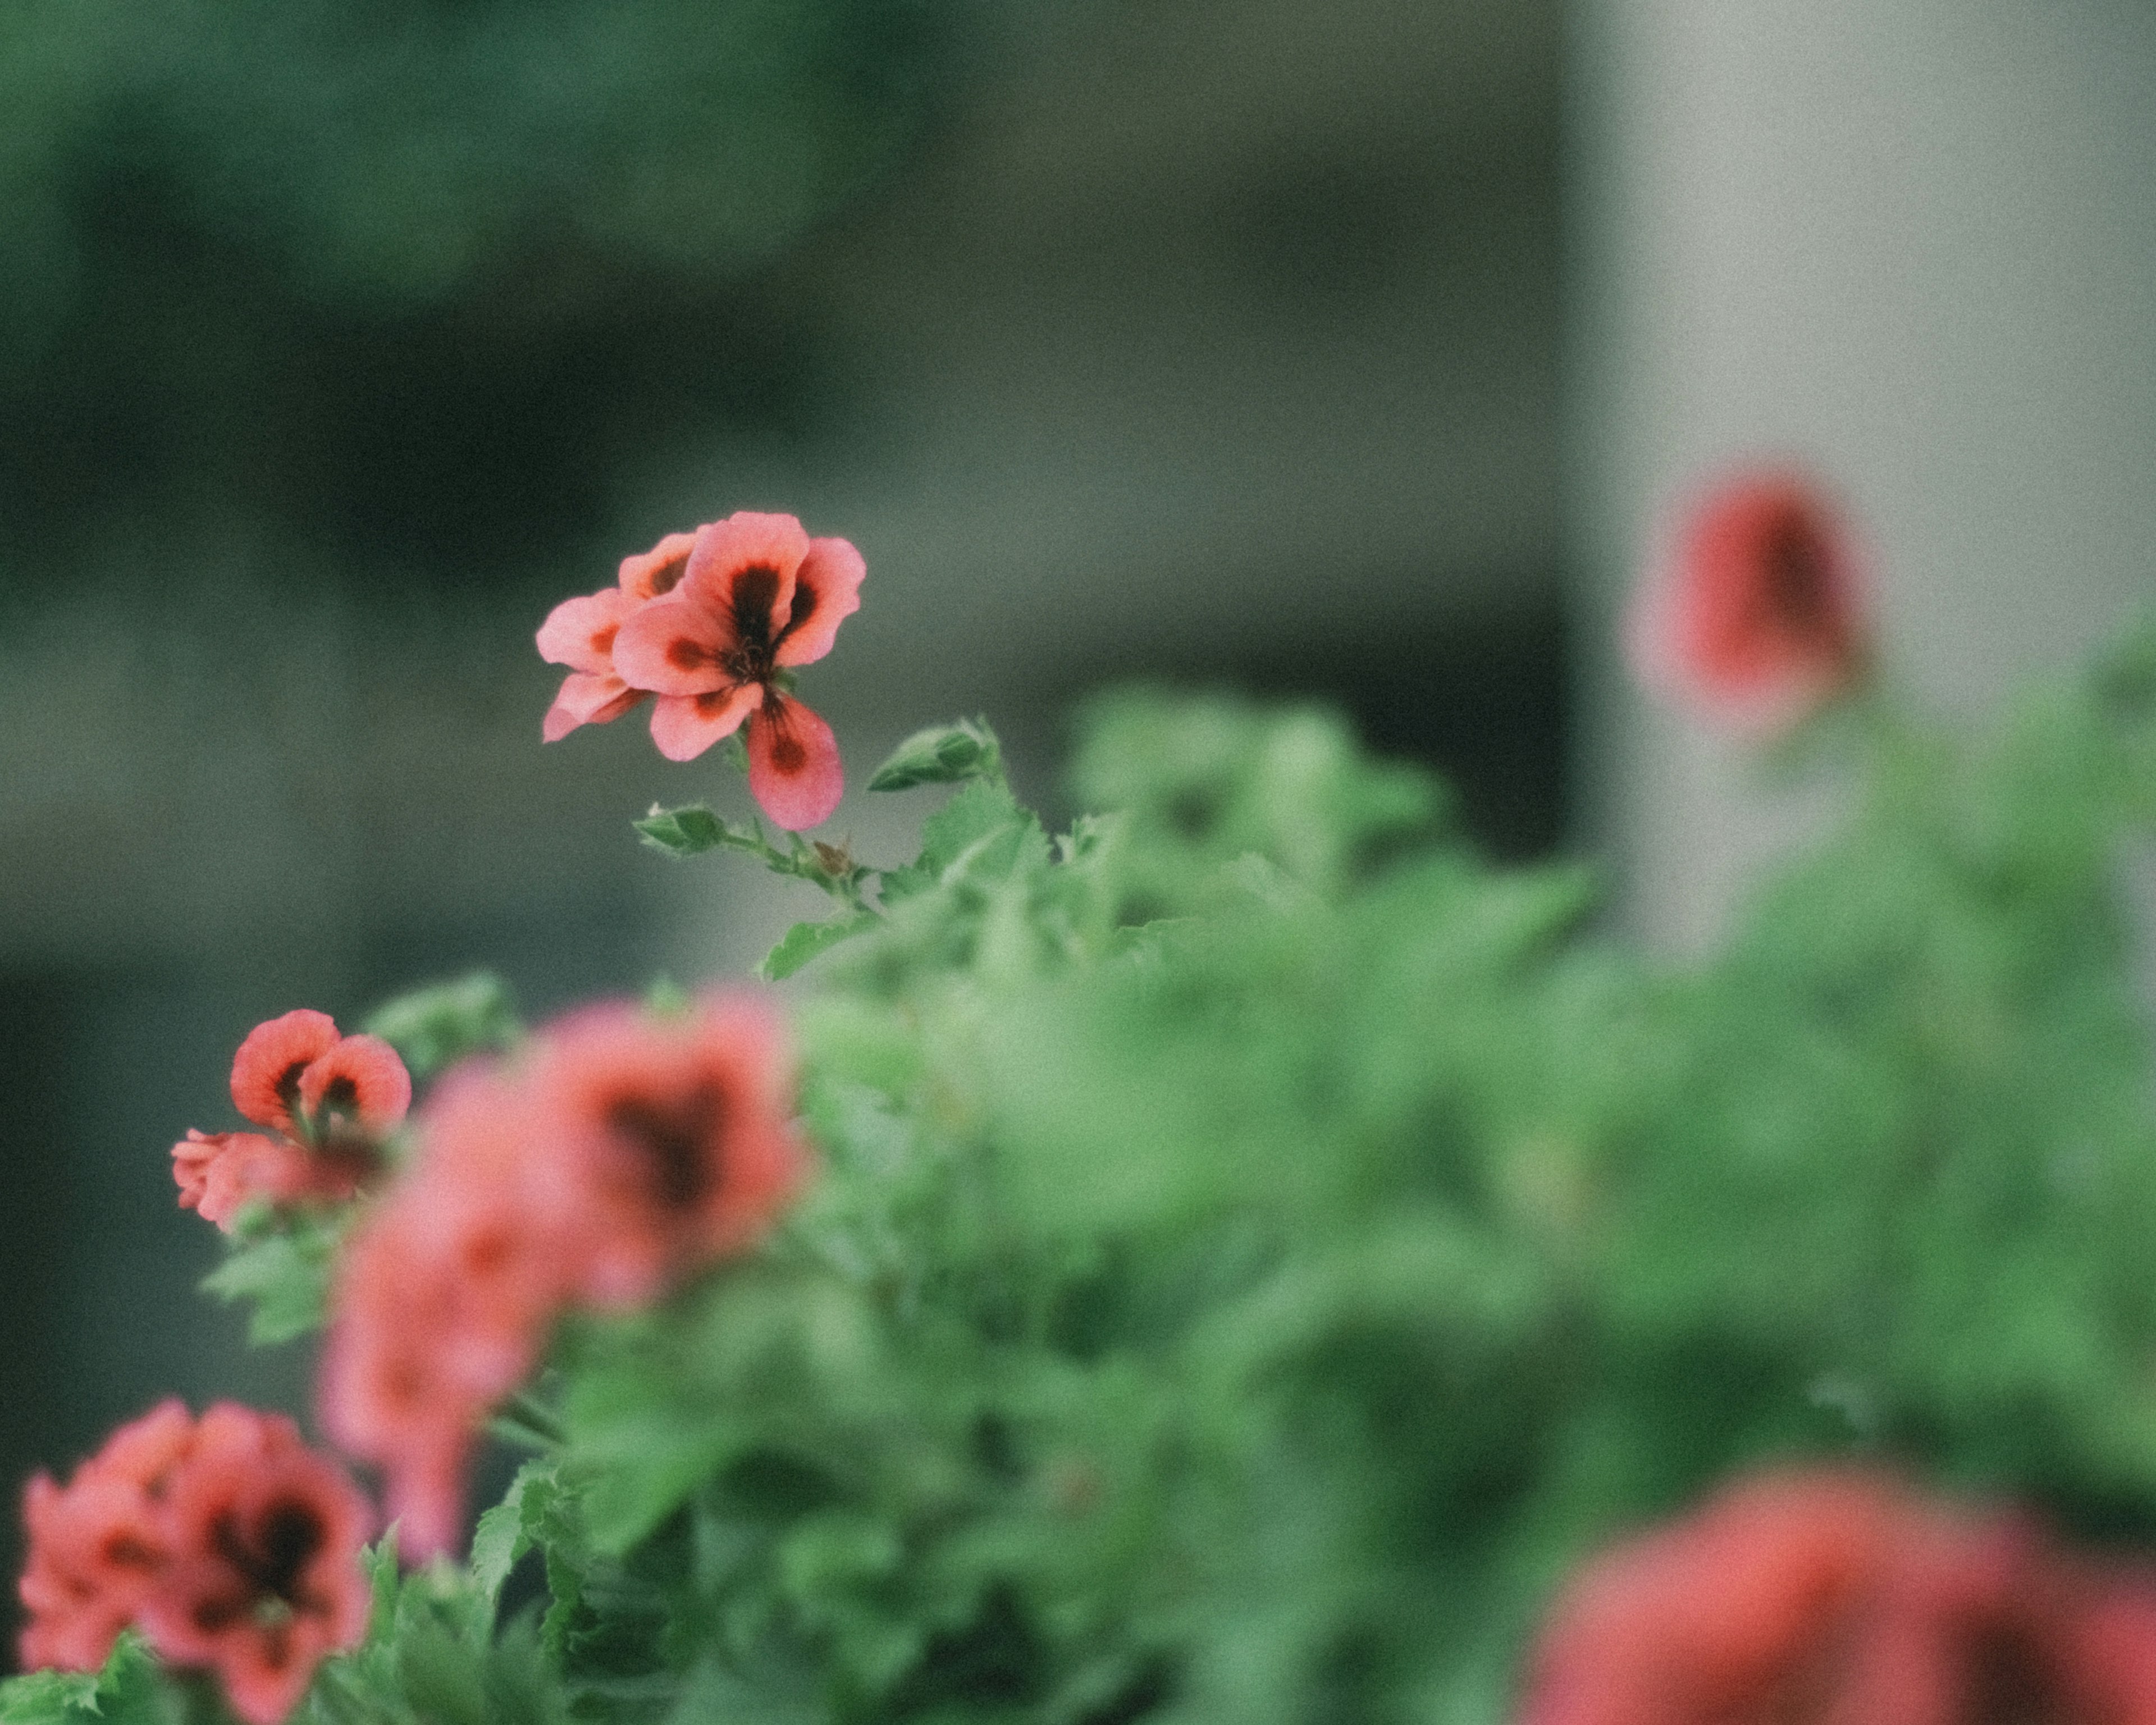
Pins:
x,y
330,1100
580,633
758,597
232,1545
1833,1598
627,1152
1758,617
673,1134
98,1546
263,1578
444,1299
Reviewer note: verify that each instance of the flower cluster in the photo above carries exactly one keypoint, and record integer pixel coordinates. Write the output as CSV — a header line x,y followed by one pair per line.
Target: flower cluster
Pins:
x,y
1827,1597
329,1101
1757,615
710,623
621,1153
229,1542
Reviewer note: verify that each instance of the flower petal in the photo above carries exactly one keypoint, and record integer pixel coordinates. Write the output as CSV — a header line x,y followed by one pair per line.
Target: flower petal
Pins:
x,y
827,590
743,570
265,1072
684,726
673,646
580,632
650,573
589,698
361,1080
793,767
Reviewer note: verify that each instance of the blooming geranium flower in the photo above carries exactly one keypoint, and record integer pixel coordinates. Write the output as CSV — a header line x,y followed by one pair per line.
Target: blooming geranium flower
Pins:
x,y
580,633
232,1546
444,1299
1757,617
625,1151
98,1546
757,597
330,1100
672,1135
262,1579
1834,1597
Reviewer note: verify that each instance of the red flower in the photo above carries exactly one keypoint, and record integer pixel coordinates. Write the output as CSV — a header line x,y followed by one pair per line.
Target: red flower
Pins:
x,y
757,597
98,1546
629,1152
580,633
331,1100
444,1299
1758,617
1841,1599
672,1135
262,1579
231,1543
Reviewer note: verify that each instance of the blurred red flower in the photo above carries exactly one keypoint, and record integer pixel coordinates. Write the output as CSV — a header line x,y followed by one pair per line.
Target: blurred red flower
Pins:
x,y
1836,1598
262,1581
672,1133
1757,617
232,1544
756,598
98,1546
331,1101
627,1151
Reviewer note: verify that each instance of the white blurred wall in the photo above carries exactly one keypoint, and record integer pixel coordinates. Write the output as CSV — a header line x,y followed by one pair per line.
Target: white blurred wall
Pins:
x,y
1912,242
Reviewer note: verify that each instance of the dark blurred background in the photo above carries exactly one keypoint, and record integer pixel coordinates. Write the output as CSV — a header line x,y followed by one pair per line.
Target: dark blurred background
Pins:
x,y
1339,350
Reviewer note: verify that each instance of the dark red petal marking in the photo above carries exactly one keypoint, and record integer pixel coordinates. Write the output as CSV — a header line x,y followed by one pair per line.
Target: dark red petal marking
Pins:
x,y
668,576
686,655
602,639
673,1138
755,594
711,700
804,608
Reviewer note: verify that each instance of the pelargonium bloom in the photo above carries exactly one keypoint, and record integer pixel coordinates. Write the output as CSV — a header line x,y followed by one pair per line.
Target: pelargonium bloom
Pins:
x,y
1841,1597
1756,616
262,1580
757,598
329,1100
98,1546
229,1542
672,1133
444,1299
580,633
623,1152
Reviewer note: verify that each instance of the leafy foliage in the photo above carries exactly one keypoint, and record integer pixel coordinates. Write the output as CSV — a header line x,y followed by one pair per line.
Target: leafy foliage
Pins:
x,y
1259,1247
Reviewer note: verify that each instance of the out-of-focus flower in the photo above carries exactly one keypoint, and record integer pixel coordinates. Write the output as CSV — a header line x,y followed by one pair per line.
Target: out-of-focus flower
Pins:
x,y
230,1543
757,598
1843,1599
627,1151
672,1135
580,633
262,1579
97,1547
444,1299
1755,615
331,1101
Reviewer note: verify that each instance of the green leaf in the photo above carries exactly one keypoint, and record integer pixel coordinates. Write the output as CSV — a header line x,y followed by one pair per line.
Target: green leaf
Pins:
x,y
37,1697
686,831
504,1532
942,754
805,941
286,1275
432,1028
